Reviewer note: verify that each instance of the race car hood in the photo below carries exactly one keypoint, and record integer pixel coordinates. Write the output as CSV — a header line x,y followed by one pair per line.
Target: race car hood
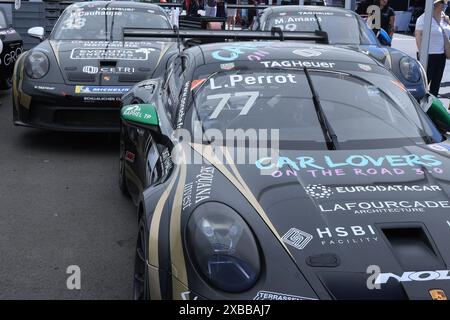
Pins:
x,y
381,54
107,62
339,212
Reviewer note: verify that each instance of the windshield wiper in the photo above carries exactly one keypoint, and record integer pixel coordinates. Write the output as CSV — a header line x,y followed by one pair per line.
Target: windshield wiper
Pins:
x,y
317,21
112,27
330,136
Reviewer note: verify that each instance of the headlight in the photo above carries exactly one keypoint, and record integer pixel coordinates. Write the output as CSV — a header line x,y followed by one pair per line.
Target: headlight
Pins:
x,y
223,247
410,69
36,65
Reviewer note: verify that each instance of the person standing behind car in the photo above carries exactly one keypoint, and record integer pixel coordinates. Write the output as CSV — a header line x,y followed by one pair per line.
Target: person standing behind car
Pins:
x,y
231,14
387,17
436,51
210,8
221,11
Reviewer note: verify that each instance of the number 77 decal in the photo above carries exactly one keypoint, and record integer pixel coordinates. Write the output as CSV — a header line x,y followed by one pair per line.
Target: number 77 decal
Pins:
x,y
225,97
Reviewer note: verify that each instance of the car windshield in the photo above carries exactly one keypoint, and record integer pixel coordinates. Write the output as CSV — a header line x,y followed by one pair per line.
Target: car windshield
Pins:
x,y
341,28
3,23
105,23
378,113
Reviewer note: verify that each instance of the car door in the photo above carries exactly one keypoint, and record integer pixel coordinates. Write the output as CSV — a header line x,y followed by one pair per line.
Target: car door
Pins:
x,y
158,147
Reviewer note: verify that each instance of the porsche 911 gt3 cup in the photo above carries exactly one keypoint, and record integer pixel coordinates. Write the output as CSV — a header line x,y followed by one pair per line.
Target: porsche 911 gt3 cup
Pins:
x,y
74,79
10,50
285,171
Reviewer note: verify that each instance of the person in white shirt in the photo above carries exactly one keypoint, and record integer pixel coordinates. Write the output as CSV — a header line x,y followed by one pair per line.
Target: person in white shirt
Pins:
x,y
436,51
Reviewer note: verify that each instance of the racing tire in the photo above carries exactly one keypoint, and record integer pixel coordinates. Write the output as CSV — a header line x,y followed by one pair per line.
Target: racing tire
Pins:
x,y
140,284
122,176
6,83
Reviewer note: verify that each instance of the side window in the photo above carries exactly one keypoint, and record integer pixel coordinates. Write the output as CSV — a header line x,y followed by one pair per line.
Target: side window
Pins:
x,y
172,86
175,81
153,165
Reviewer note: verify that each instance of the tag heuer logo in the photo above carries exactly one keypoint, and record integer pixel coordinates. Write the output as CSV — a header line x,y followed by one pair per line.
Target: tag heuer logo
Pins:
x,y
297,238
90,69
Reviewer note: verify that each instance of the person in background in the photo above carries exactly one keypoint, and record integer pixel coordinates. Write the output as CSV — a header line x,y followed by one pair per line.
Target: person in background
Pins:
x,y
191,7
436,52
231,15
252,12
221,11
210,8
362,7
387,17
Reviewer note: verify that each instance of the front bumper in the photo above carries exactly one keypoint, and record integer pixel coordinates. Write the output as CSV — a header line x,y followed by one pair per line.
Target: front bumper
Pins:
x,y
63,107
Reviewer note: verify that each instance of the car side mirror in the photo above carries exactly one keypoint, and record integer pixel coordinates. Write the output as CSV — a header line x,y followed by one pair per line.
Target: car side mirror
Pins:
x,y
143,115
384,38
37,32
436,111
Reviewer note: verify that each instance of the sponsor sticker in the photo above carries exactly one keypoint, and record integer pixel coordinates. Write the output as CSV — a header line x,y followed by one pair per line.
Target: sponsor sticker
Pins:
x,y
45,88
101,89
413,276
319,191
364,67
269,295
297,238
332,236
402,206
299,64
111,53
112,70
307,53
200,189
438,294
356,165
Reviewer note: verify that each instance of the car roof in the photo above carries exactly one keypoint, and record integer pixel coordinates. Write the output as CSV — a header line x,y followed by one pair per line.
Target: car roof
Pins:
x,y
281,9
116,4
278,50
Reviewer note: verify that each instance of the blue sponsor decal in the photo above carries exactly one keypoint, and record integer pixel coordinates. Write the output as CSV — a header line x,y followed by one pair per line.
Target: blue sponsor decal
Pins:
x,y
101,89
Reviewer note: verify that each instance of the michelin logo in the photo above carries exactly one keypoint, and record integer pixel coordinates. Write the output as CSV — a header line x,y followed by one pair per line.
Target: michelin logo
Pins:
x,y
101,89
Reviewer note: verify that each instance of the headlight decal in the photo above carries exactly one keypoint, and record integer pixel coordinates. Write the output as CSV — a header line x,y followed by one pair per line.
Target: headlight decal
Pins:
x,y
409,69
36,64
153,246
208,153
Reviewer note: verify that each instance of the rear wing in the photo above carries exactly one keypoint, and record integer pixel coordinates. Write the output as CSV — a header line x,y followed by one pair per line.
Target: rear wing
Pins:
x,y
218,35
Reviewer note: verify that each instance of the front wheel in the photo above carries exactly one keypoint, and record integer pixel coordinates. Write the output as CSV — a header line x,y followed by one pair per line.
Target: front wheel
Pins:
x,y
141,288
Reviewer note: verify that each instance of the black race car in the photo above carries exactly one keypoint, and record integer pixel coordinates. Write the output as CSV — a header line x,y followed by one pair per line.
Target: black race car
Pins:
x,y
284,170
10,49
74,79
346,29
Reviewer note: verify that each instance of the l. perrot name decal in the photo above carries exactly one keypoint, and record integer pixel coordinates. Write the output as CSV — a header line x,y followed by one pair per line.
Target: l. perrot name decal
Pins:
x,y
237,79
